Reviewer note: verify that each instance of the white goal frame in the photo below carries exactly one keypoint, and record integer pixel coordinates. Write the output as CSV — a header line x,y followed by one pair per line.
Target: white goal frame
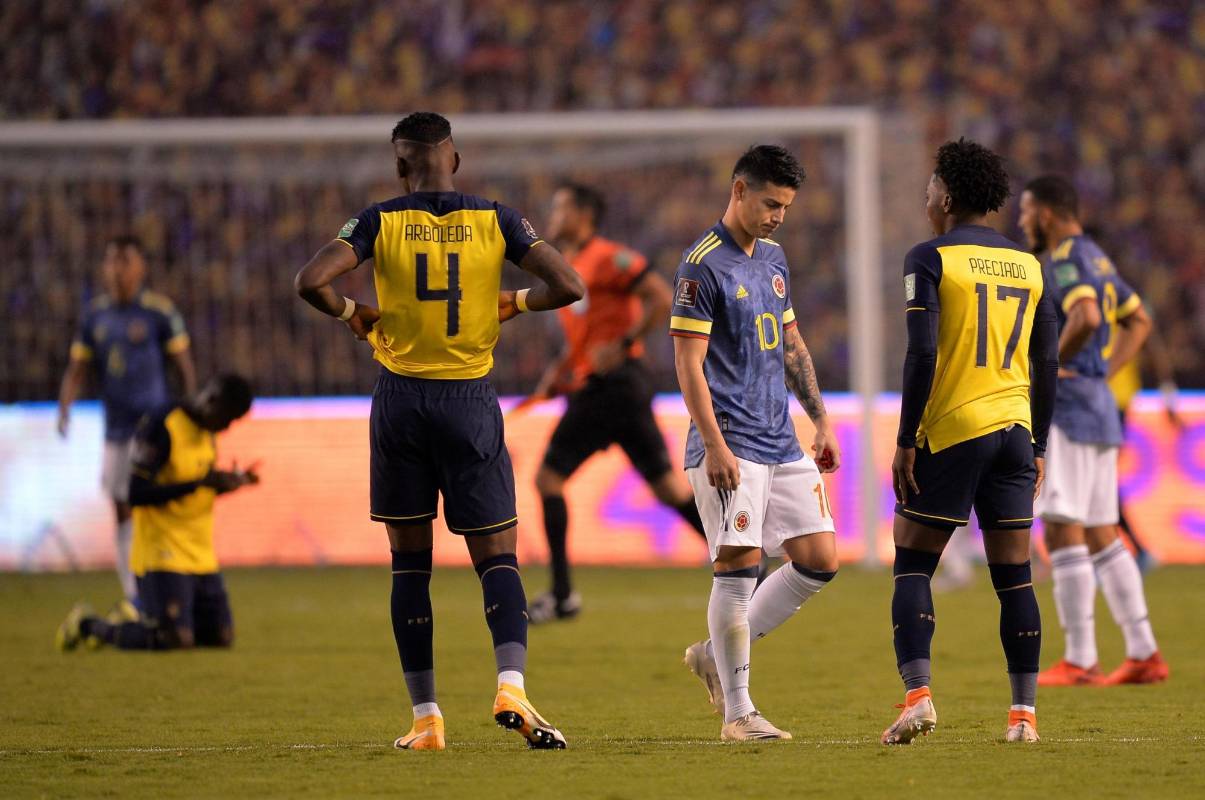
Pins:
x,y
858,128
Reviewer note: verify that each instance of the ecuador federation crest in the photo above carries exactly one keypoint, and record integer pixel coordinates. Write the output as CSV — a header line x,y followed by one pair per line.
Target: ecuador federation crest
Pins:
x,y
780,286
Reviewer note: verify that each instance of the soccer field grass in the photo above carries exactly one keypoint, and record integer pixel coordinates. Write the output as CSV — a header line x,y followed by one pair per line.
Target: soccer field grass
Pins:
x,y
310,699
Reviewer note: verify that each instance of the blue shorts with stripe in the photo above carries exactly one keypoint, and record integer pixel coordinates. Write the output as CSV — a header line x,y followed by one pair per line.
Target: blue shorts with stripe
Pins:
x,y
440,437
993,473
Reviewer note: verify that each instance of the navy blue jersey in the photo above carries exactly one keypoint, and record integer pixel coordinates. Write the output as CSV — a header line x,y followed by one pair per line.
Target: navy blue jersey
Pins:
x,y
1085,409
127,346
741,304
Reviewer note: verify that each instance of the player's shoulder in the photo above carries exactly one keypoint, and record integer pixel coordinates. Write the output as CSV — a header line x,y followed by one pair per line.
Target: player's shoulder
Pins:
x,y
98,304
702,250
617,254
154,301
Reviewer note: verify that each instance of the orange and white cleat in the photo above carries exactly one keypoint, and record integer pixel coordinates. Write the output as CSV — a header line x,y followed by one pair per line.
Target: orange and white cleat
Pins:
x,y
427,733
514,712
918,718
1148,670
703,667
1022,727
1064,673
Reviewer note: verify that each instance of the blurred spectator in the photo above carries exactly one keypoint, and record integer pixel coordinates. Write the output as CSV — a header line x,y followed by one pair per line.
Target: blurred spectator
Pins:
x,y
1110,93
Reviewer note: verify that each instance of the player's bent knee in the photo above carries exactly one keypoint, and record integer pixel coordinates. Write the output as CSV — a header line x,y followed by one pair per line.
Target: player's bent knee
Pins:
x,y
1100,537
409,538
730,558
549,483
491,545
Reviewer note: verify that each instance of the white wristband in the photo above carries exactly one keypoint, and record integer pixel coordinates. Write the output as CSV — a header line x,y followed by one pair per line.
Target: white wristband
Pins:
x,y
521,300
349,308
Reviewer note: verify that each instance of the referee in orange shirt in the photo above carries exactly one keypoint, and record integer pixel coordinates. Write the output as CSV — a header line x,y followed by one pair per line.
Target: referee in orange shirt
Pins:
x,y
609,390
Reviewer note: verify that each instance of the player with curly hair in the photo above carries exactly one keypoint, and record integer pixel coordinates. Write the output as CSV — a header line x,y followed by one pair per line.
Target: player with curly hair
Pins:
x,y
973,425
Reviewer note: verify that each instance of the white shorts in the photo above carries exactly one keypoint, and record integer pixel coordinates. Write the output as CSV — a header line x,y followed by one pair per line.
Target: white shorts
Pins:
x,y
1081,482
773,503
115,471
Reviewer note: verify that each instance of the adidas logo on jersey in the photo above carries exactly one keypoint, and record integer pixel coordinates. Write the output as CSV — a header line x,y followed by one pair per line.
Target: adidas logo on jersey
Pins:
x,y
741,294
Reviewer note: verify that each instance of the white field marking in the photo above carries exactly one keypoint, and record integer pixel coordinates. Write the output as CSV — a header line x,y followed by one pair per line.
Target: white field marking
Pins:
x,y
609,742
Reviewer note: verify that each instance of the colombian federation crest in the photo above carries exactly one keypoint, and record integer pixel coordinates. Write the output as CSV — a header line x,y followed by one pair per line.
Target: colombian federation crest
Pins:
x,y
741,521
780,287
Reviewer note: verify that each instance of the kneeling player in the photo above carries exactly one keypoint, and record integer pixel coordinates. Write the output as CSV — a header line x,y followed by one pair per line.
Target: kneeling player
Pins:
x,y
736,349
172,490
972,433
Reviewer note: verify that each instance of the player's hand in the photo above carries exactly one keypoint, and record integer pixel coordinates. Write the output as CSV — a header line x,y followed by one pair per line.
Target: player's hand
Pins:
x,y
362,320
901,473
507,308
64,422
1039,463
828,452
723,470
608,357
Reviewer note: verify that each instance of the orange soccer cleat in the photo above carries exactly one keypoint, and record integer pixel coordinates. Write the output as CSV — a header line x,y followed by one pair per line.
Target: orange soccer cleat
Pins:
x,y
1148,670
1064,673
426,734
918,718
1022,727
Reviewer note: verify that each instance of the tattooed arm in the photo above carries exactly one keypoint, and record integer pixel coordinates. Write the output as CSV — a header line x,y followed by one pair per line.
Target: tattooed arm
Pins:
x,y
801,380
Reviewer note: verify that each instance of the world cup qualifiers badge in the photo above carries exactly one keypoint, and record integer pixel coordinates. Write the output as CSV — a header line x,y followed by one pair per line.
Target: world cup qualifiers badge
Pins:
x,y
742,519
780,286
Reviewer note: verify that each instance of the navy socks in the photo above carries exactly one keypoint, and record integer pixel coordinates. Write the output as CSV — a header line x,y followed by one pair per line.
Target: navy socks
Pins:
x,y
912,614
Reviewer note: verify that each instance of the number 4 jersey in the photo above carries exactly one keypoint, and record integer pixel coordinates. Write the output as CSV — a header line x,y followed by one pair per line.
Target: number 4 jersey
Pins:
x,y
438,267
986,291
741,304
1085,409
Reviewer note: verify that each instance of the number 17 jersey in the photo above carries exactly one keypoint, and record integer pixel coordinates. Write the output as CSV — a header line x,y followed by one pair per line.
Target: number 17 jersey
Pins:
x,y
986,291
437,260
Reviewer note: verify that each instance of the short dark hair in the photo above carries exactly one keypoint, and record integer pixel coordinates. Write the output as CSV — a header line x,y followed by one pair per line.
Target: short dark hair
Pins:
x,y
586,197
769,163
425,127
1056,193
234,393
974,176
123,240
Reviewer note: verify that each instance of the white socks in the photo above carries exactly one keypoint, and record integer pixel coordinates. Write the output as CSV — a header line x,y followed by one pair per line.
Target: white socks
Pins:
x,y
780,595
1121,584
512,677
728,624
427,710
125,538
1075,599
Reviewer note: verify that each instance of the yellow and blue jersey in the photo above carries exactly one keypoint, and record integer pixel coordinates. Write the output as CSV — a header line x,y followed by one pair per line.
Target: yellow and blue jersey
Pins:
x,y
437,260
1085,408
176,536
126,344
986,290
741,305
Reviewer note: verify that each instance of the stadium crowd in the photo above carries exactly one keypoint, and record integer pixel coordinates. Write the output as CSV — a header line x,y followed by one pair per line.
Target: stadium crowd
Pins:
x,y
1112,93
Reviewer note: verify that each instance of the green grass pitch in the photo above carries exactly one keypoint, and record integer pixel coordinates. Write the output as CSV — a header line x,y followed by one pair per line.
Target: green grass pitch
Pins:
x,y
308,702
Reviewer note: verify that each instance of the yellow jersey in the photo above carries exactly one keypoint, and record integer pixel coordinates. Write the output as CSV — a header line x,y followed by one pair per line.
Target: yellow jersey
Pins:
x,y
1126,383
437,260
987,291
176,536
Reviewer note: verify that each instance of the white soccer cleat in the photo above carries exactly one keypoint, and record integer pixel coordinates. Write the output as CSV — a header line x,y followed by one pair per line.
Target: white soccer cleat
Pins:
x,y
918,718
752,727
700,662
546,608
1022,727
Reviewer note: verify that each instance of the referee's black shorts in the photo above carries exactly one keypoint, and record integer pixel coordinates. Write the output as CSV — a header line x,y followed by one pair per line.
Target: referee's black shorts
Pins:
x,y
616,408
993,473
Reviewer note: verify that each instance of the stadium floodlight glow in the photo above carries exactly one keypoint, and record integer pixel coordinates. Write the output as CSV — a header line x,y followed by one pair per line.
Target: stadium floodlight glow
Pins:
x,y
858,128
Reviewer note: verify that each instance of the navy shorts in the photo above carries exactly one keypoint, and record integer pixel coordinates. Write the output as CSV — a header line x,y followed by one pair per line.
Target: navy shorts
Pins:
x,y
433,437
172,601
616,408
993,473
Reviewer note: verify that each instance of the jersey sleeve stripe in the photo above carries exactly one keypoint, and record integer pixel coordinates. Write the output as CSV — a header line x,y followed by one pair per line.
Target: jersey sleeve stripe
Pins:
x,y
1075,295
684,335
706,241
699,258
349,244
80,352
691,325
177,344
1129,306
788,316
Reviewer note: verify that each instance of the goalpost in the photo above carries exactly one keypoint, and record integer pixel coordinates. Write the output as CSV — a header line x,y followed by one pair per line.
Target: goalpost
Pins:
x,y
857,128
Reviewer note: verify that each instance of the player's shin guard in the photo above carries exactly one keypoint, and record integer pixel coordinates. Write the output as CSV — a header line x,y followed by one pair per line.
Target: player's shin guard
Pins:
x,y
123,635
1075,601
413,628
1020,629
1121,584
912,614
728,624
782,594
556,527
506,615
